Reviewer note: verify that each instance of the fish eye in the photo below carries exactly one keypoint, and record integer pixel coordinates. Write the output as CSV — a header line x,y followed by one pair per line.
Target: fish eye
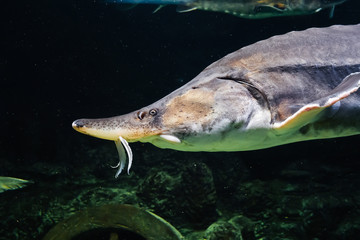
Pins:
x,y
153,112
141,115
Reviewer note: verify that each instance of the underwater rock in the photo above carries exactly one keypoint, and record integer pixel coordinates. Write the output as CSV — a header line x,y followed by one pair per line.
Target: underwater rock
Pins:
x,y
324,213
246,225
159,191
298,201
222,230
228,175
349,228
97,196
190,195
50,169
237,228
254,196
200,194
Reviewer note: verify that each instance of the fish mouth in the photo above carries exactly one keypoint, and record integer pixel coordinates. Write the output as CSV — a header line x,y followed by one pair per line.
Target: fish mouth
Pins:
x,y
125,154
121,133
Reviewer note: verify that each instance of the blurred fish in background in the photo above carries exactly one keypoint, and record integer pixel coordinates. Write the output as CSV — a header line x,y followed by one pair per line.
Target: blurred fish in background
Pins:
x,y
10,183
253,9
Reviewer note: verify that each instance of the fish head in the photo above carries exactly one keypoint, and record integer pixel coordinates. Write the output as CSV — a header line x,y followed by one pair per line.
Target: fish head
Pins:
x,y
196,117
134,126
167,119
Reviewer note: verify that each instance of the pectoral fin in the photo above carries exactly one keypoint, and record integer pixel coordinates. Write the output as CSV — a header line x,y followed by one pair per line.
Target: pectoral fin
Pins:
x,y
309,112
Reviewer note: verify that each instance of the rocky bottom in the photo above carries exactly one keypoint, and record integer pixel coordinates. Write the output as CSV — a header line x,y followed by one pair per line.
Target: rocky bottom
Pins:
x,y
300,191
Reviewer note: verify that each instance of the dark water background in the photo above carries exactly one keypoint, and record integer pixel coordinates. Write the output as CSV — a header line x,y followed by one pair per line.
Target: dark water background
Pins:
x,y
64,60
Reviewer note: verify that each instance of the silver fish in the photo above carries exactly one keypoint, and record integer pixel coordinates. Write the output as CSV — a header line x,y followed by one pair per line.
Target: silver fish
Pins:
x,y
253,9
289,88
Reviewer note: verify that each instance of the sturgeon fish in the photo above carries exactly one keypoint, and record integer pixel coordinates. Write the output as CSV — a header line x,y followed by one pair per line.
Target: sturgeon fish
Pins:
x,y
289,88
253,9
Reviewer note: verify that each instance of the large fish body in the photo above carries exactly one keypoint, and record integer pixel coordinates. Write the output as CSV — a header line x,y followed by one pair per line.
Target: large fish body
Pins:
x,y
246,8
288,88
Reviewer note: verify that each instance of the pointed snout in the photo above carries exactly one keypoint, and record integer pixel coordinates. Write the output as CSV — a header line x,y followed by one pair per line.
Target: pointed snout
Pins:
x,y
101,128
77,124
82,125
113,128
87,126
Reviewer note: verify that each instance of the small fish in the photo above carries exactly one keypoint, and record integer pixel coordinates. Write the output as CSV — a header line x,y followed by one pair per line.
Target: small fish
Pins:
x,y
10,183
289,88
253,9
